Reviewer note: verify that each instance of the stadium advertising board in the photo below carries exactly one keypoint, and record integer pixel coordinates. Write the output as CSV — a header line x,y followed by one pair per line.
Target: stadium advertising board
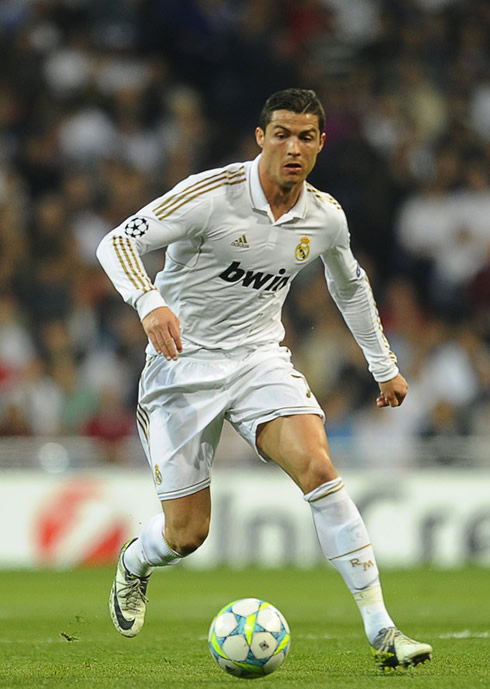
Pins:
x,y
75,519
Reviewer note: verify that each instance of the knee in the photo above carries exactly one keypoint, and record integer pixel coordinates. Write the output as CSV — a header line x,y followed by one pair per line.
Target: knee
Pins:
x,y
187,545
185,539
319,469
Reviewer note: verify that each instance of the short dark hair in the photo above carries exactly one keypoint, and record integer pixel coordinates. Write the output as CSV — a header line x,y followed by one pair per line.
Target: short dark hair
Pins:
x,y
294,100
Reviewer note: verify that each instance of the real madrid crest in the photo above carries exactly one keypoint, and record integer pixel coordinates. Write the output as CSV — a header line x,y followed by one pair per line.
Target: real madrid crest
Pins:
x,y
302,251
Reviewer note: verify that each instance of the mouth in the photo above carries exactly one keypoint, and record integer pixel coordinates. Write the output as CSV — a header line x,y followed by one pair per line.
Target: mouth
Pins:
x,y
293,167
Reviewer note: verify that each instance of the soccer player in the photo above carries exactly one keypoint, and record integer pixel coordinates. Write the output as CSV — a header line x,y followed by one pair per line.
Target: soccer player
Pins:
x,y
236,237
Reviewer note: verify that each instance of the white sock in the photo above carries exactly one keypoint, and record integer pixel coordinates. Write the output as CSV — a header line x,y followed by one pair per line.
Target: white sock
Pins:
x,y
345,542
150,549
373,612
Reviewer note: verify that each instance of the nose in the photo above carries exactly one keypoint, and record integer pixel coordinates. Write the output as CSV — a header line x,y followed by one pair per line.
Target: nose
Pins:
x,y
293,147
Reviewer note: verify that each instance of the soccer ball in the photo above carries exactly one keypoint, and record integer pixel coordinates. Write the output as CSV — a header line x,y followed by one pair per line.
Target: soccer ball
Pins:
x,y
249,638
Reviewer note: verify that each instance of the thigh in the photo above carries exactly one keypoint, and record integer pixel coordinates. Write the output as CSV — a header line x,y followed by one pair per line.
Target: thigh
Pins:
x,y
180,416
269,387
299,445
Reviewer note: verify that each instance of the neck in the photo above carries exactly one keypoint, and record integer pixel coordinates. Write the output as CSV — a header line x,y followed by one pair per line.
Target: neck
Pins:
x,y
282,203
280,199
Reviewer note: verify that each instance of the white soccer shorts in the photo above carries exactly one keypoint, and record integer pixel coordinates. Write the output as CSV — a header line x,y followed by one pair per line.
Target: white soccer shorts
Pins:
x,y
183,404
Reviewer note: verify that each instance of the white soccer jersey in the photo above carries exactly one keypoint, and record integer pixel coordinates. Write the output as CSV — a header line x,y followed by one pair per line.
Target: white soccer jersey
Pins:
x,y
229,264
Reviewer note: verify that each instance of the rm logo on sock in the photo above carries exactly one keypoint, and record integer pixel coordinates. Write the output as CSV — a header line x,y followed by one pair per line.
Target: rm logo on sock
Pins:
x,y
356,562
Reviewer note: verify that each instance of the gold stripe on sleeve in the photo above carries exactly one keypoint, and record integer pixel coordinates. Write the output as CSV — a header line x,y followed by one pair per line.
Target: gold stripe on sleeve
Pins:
x,y
177,200
131,264
121,261
139,267
133,267
194,187
168,201
200,193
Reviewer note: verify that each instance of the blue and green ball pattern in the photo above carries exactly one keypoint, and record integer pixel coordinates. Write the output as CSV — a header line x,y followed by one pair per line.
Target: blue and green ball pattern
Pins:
x,y
249,638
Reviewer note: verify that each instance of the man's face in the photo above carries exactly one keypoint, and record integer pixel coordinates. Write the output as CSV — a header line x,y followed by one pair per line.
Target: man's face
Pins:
x,y
290,145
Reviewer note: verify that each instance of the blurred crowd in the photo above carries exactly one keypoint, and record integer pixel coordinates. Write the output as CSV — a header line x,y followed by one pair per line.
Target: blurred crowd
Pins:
x,y
106,105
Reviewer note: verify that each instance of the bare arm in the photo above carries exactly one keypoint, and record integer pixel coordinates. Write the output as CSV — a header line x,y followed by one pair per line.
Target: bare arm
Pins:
x,y
163,329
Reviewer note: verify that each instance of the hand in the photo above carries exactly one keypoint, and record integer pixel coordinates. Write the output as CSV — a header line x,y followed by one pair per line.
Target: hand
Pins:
x,y
163,329
393,392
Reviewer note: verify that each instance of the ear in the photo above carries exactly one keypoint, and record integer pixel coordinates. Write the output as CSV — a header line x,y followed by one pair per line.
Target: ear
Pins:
x,y
323,136
259,137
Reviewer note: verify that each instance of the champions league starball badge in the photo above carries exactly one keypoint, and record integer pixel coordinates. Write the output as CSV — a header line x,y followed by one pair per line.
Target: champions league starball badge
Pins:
x,y
136,227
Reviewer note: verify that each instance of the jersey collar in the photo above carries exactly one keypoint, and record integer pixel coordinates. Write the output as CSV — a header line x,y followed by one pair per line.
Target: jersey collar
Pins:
x,y
260,203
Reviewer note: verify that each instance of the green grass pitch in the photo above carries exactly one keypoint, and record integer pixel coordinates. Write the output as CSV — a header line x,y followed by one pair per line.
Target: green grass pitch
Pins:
x,y
55,630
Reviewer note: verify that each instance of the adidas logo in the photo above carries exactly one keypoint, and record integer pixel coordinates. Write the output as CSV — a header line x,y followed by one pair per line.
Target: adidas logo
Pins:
x,y
241,242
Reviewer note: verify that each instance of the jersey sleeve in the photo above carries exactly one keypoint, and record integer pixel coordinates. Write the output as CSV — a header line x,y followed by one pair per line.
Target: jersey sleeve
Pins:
x,y
158,224
350,289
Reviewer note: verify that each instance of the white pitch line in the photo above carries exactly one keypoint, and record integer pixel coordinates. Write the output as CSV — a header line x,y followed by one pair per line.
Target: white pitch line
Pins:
x,y
465,634
309,637
29,641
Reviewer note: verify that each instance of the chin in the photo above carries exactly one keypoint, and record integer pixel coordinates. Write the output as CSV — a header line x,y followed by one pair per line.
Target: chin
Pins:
x,y
288,184
290,181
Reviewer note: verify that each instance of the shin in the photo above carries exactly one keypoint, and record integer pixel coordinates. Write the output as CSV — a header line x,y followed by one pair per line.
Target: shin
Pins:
x,y
345,542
